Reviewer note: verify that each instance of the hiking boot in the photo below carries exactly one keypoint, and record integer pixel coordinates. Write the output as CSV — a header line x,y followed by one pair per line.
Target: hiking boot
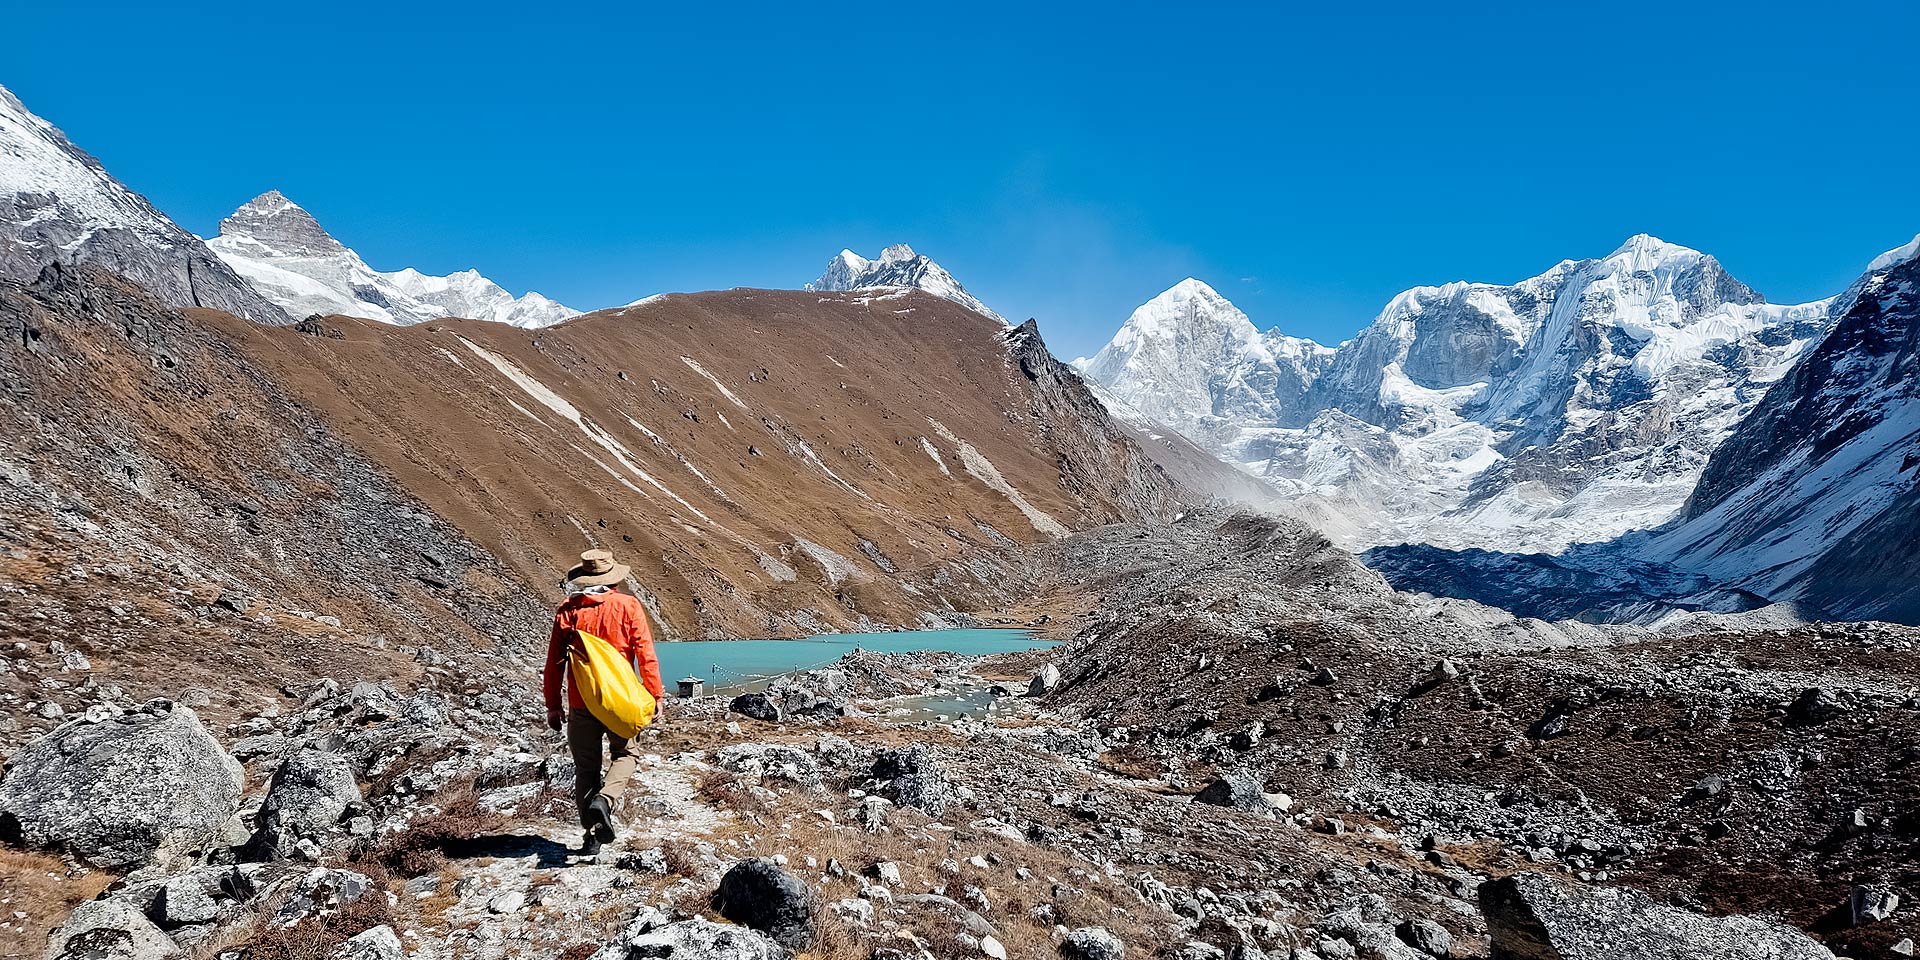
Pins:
x,y
589,846
599,820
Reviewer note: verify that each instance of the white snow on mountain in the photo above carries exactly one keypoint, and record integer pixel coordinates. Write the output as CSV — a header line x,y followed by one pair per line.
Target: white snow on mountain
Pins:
x,y
1816,496
1569,407
57,203
1190,359
898,266
288,257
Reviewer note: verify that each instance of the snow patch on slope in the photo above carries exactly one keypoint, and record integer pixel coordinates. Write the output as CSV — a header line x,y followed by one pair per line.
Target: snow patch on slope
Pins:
x,y
983,470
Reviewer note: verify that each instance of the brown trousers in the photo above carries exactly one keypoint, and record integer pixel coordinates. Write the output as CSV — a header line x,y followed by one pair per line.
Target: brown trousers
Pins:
x,y
584,735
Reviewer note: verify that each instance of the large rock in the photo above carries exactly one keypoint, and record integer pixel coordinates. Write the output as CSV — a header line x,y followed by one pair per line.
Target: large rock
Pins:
x,y
913,779
1044,682
141,786
766,761
309,796
378,943
1237,791
1530,917
650,936
758,893
1092,943
109,930
759,706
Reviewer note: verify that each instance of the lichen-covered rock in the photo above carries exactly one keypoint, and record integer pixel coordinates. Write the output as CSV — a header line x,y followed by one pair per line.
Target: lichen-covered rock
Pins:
x,y
109,930
1530,917
758,893
145,785
766,761
378,943
913,779
652,935
309,796
1092,943
1237,791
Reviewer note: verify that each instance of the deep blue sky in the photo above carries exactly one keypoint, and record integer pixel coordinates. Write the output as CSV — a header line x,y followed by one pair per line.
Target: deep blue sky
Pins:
x,y
1065,162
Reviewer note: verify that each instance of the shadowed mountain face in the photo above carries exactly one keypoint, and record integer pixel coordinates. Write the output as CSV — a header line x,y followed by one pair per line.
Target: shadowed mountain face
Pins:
x,y
57,204
1810,502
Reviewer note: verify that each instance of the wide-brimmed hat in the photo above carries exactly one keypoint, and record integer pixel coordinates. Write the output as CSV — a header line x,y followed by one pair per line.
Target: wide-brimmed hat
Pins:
x,y
597,569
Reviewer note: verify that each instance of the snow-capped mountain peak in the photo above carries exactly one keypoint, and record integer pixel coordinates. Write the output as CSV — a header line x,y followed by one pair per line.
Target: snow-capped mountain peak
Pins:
x,y
279,247
280,227
898,266
58,204
1192,360
1571,406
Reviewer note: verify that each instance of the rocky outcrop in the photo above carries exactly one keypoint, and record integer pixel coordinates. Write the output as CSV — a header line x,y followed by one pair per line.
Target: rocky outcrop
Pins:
x,y
121,790
108,930
912,777
653,935
1531,917
59,205
310,795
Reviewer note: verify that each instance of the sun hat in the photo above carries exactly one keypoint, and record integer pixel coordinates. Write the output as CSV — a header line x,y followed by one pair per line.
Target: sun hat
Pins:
x,y
596,568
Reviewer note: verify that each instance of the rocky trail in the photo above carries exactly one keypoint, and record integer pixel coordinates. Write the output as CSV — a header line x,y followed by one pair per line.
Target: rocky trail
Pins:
x,y
816,818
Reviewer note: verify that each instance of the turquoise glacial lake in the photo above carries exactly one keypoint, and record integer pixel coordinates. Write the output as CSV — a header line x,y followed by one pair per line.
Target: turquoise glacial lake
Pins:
x,y
738,663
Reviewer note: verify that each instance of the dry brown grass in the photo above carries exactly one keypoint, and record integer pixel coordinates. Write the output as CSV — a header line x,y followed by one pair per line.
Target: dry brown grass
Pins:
x,y
316,938
726,789
422,847
45,889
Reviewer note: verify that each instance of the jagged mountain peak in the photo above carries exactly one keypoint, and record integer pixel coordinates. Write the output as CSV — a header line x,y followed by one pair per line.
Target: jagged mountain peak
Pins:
x,y
288,256
59,204
1569,406
1645,247
285,227
898,266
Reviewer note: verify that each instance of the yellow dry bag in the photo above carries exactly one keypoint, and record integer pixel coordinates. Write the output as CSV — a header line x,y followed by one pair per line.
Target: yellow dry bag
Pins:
x,y
607,684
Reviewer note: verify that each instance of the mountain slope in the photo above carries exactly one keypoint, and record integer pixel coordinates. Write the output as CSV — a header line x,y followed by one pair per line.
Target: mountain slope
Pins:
x,y
898,266
1813,498
1570,407
289,257
772,462
57,204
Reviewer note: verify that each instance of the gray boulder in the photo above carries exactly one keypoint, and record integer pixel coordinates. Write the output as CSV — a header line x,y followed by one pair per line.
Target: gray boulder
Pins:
x,y
309,796
146,785
1429,937
1530,917
1092,943
109,930
1044,682
913,779
651,935
760,894
378,943
764,761
1236,791
759,706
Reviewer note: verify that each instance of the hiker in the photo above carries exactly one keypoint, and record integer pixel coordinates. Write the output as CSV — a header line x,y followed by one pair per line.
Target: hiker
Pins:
x,y
594,606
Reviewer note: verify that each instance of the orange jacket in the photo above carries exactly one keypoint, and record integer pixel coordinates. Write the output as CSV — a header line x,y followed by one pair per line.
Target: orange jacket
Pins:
x,y
614,617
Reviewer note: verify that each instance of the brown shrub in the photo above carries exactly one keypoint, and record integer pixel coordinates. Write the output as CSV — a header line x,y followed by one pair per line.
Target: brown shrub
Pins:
x,y
723,788
317,937
422,847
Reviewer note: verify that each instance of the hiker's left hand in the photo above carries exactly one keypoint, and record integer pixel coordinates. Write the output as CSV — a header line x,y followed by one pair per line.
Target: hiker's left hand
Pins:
x,y
556,718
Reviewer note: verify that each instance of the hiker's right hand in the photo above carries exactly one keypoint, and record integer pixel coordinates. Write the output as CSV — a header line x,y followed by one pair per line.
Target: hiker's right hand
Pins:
x,y
556,718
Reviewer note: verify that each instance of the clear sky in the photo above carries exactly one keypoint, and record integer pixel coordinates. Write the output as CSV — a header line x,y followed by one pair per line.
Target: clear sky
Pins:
x,y
1063,161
